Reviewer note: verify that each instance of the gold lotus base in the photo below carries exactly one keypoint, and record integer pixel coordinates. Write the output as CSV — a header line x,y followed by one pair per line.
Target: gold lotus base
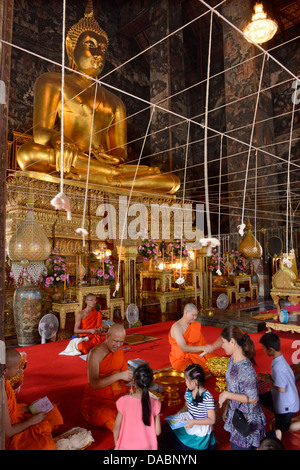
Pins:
x,y
170,380
220,384
218,367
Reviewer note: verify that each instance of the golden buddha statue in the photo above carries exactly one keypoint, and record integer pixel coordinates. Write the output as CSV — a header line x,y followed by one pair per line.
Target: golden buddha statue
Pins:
x,y
101,114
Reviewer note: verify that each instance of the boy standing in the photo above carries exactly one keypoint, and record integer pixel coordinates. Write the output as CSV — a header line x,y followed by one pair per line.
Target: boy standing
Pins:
x,y
284,393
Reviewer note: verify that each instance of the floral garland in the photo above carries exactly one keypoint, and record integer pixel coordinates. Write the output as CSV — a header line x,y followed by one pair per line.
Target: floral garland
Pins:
x,y
178,248
216,263
148,248
56,271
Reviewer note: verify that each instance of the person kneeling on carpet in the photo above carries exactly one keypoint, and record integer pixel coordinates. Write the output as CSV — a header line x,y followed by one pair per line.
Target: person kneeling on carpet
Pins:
x,y
88,323
25,431
107,376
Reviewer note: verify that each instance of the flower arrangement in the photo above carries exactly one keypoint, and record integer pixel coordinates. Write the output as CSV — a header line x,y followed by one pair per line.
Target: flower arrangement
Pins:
x,y
216,262
239,265
105,272
56,271
148,247
178,248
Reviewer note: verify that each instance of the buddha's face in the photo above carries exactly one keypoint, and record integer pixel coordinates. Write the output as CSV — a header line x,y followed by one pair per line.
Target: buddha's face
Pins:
x,y
89,53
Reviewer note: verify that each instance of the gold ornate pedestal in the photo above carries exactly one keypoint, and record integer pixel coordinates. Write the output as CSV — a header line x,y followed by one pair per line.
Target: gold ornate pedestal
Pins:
x,y
63,309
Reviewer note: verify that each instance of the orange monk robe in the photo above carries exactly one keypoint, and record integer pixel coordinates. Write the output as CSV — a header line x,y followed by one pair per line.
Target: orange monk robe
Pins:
x,y
36,437
93,320
193,337
99,406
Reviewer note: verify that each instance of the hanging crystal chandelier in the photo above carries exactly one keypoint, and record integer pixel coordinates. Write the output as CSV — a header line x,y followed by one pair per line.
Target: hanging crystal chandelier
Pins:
x,y
261,29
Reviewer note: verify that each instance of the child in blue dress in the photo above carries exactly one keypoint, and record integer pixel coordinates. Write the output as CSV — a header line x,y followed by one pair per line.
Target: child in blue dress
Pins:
x,y
198,433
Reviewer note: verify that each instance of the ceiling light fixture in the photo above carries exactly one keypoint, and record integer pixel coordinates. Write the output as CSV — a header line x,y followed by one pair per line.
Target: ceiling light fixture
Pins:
x,y
261,29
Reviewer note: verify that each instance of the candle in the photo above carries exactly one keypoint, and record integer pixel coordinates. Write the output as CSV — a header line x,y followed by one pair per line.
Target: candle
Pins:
x,y
80,267
65,282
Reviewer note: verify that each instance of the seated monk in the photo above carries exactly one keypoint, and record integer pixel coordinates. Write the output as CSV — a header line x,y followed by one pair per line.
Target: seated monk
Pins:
x,y
187,341
25,431
107,374
89,323
91,113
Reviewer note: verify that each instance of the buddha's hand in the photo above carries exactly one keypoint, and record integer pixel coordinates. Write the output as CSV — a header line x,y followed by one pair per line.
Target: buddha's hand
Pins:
x,y
104,157
70,152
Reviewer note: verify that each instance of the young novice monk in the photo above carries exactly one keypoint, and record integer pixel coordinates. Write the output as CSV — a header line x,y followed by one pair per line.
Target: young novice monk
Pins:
x,y
24,431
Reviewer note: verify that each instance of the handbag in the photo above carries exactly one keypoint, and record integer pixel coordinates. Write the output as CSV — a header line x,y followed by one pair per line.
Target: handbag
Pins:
x,y
241,423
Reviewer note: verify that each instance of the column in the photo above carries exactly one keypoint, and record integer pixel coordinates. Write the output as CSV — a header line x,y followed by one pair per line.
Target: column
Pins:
x,y
128,275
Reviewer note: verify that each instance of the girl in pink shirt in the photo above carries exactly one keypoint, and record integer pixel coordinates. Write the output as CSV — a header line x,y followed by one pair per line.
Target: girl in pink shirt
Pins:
x,y
137,423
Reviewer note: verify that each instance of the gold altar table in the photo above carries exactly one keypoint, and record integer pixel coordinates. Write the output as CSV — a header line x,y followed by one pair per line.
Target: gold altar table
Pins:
x,y
290,295
80,292
234,292
292,326
164,297
162,279
160,289
63,308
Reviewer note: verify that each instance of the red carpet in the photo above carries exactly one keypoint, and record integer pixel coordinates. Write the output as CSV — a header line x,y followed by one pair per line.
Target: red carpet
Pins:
x,y
62,378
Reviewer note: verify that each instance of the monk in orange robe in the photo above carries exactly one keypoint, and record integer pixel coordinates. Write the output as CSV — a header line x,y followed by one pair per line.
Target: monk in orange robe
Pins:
x,y
107,376
187,341
88,323
24,431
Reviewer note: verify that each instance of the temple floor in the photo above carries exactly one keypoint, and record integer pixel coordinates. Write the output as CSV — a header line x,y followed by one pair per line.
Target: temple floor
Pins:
x,y
62,378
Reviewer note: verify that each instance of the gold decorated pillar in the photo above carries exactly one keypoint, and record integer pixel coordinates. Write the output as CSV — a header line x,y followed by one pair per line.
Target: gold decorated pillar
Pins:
x,y
128,273
201,267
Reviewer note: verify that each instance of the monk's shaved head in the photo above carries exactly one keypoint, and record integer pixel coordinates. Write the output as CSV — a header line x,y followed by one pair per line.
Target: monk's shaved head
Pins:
x,y
115,337
13,357
117,328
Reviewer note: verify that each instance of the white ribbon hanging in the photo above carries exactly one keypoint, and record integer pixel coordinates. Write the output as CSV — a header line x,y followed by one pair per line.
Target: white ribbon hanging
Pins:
x,y
129,199
181,279
81,229
61,201
242,226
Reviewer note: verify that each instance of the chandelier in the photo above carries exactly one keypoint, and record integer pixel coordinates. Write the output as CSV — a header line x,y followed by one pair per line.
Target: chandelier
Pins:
x,y
261,29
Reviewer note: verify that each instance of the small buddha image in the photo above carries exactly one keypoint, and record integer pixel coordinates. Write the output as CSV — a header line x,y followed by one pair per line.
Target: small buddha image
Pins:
x,y
88,110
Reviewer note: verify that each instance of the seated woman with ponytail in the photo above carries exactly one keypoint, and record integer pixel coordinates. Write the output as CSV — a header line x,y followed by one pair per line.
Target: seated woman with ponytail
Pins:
x,y
137,423
242,389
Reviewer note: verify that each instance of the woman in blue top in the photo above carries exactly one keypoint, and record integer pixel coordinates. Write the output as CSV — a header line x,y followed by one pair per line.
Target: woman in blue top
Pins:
x,y
198,432
242,389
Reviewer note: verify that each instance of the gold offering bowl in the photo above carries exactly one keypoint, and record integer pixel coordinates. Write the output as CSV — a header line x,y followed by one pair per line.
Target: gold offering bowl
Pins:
x,y
170,380
218,367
